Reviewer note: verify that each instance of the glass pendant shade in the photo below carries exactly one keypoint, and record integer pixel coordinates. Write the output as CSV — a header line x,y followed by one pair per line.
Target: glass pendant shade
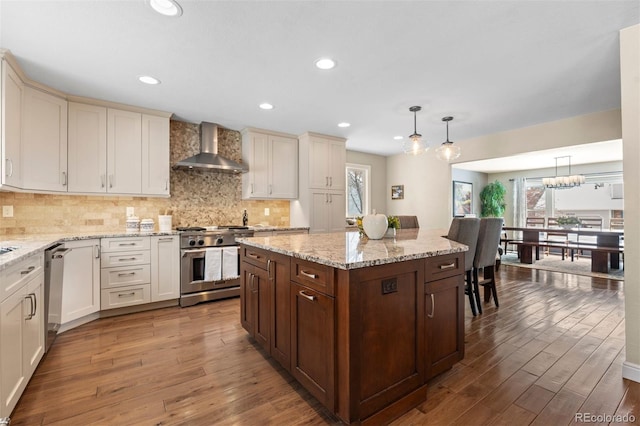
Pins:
x,y
448,151
415,145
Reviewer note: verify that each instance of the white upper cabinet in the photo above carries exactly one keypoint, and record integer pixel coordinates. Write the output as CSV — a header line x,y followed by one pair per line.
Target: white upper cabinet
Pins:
x,y
124,151
44,141
11,89
155,155
272,159
87,148
327,157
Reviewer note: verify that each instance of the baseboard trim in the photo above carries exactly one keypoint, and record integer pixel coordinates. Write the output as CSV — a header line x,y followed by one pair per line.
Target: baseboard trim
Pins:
x,y
631,371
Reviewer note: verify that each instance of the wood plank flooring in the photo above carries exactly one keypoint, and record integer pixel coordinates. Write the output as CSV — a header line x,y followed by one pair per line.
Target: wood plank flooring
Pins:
x,y
554,348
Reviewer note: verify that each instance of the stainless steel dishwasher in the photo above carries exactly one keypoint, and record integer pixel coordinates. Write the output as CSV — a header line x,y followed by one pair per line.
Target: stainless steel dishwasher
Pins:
x,y
53,272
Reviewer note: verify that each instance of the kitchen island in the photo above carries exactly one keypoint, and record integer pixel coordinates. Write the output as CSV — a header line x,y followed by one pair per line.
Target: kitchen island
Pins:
x,y
361,324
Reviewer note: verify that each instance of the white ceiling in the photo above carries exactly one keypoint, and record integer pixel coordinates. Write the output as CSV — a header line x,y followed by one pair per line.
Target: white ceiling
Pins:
x,y
599,152
493,65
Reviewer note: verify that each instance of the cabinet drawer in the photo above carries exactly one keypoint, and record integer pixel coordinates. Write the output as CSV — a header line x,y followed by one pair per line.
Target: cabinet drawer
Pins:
x,y
313,275
254,256
125,296
14,276
123,276
125,244
127,258
445,266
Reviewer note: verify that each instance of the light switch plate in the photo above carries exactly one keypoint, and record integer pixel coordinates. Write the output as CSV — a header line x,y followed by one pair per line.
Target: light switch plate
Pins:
x,y
266,211
7,211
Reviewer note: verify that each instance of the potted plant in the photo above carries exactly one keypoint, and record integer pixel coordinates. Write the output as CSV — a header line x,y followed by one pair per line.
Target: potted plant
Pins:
x,y
568,222
492,200
393,223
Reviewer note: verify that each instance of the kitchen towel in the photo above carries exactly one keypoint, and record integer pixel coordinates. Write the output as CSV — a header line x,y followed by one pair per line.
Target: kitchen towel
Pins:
x,y
230,263
213,264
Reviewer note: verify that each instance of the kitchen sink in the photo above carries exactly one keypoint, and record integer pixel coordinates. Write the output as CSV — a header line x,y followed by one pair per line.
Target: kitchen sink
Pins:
x,y
8,249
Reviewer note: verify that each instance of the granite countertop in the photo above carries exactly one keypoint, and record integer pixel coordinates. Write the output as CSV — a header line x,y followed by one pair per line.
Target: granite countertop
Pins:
x,y
347,250
265,228
29,245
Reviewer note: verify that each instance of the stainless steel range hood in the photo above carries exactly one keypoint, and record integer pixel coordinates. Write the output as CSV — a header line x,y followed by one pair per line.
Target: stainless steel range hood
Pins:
x,y
208,158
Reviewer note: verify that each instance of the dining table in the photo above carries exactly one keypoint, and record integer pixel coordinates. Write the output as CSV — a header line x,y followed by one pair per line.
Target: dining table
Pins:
x,y
605,252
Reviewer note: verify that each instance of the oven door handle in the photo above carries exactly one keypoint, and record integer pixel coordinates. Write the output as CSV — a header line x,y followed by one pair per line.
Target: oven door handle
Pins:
x,y
186,253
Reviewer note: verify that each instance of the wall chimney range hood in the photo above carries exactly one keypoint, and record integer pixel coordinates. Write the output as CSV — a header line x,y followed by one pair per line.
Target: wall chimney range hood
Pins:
x,y
208,158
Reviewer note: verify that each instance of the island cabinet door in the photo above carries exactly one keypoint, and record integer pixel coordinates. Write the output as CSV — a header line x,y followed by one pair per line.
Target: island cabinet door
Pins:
x,y
444,313
279,275
312,342
255,303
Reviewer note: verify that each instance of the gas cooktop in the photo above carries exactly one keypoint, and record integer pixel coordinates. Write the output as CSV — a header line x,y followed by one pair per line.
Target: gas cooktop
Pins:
x,y
208,228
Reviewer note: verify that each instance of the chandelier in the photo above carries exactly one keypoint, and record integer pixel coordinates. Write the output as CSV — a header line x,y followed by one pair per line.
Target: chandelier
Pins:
x,y
563,182
448,151
415,145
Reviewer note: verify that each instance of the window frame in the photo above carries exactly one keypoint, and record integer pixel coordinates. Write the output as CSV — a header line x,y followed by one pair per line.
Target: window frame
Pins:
x,y
367,187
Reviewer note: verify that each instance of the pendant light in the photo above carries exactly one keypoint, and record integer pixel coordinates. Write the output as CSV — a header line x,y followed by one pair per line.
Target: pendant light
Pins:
x,y
448,151
415,145
563,182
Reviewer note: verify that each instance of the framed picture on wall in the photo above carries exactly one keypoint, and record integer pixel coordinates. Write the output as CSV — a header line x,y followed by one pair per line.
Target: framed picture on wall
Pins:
x,y
462,198
397,192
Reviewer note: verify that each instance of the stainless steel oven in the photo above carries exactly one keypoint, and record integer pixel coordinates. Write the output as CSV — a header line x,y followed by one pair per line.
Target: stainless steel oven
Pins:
x,y
194,242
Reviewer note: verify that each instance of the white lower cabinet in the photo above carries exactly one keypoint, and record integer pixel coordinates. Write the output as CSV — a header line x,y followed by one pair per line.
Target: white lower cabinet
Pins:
x,y
81,282
165,268
21,334
125,273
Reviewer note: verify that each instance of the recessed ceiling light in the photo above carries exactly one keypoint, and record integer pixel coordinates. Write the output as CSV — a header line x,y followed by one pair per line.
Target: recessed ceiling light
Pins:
x,y
166,7
147,79
397,138
266,105
325,63
343,124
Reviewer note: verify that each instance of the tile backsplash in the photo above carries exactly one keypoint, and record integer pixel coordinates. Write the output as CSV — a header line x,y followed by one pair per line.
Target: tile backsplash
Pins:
x,y
197,198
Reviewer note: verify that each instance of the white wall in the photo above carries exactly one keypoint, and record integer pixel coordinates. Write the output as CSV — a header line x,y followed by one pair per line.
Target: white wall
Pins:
x,y
479,181
378,166
630,88
427,189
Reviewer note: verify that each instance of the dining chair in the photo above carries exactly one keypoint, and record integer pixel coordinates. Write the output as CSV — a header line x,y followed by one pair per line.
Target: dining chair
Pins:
x,y
485,259
535,222
556,237
407,222
465,231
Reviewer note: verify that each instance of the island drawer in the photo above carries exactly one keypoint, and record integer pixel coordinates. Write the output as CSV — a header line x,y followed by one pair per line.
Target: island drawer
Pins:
x,y
313,275
439,267
255,256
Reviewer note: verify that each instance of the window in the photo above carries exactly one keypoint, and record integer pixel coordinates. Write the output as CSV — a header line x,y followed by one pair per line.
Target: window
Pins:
x,y
358,189
536,200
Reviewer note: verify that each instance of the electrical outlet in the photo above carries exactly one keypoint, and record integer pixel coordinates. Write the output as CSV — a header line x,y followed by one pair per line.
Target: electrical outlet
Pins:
x,y
130,211
7,211
266,211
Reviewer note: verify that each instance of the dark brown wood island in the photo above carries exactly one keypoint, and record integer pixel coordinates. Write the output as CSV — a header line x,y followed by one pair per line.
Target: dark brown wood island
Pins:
x,y
361,324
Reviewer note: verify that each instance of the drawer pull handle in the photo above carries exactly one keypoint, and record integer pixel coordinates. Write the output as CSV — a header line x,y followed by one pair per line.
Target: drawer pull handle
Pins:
x,y
166,239
433,307
126,244
447,266
127,294
307,274
128,259
29,270
255,256
127,274
307,296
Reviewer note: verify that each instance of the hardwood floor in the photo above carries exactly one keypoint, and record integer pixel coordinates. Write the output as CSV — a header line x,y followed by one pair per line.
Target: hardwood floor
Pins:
x,y
554,348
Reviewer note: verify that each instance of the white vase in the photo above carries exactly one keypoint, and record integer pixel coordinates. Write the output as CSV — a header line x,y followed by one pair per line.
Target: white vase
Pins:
x,y
375,226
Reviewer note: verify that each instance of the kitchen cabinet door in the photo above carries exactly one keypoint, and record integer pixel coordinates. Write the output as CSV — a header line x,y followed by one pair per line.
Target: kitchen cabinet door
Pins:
x,y
81,280
327,212
165,268
279,272
336,165
124,152
87,148
256,303
336,209
12,365
444,310
312,342
283,167
34,324
155,155
11,126
257,159
319,158
44,141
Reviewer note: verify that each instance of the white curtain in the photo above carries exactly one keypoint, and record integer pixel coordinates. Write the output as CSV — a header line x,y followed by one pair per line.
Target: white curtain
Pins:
x,y
519,203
